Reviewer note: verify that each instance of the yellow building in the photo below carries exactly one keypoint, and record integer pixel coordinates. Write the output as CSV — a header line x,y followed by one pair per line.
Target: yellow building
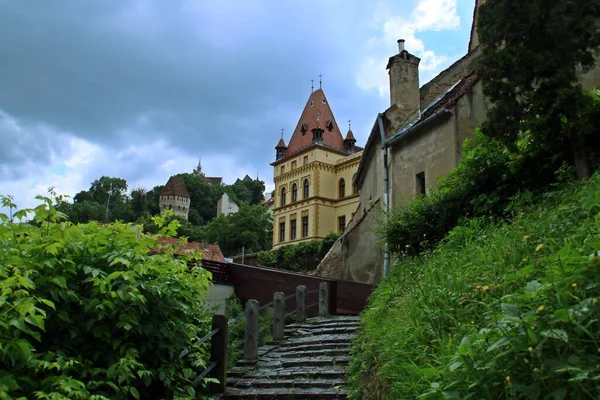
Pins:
x,y
314,175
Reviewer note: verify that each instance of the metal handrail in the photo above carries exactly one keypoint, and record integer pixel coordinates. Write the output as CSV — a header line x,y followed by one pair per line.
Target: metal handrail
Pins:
x,y
205,372
204,339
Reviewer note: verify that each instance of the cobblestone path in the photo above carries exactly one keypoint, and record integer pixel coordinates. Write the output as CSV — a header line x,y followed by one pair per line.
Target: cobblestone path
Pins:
x,y
310,363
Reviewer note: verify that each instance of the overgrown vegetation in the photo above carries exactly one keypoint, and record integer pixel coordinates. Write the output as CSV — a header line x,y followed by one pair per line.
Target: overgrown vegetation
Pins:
x,y
499,310
88,313
301,257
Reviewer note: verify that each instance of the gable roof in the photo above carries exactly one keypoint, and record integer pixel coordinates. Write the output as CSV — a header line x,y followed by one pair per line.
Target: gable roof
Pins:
x,y
316,113
443,103
209,251
175,187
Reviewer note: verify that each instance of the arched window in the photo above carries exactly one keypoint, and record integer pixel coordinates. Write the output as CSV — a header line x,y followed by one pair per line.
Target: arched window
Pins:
x,y
354,185
306,188
294,192
283,196
342,187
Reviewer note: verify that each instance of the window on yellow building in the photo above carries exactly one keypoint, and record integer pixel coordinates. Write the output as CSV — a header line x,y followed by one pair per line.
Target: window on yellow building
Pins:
x,y
342,187
293,229
341,223
305,160
294,164
294,193
305,226
306,188
282,169
283,196
281,232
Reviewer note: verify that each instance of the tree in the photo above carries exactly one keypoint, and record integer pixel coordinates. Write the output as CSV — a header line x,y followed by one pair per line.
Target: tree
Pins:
x,y
249,228
532,54
203,195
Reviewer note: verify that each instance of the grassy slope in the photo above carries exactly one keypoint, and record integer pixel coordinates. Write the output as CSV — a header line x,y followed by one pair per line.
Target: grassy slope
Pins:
x,y
498,310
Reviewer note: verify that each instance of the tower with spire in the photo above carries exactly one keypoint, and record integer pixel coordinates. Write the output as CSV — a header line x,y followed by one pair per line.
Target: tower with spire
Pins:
x,y
314,171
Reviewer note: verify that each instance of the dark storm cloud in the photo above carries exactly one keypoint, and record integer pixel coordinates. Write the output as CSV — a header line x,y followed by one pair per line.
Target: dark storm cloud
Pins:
x,y
205,76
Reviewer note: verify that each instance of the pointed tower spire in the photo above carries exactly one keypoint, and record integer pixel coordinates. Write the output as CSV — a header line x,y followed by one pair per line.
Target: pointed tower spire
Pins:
x,y
198,170
280,148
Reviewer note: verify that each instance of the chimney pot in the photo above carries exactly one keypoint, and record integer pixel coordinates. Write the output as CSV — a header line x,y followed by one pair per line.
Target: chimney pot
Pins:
x,y
400,45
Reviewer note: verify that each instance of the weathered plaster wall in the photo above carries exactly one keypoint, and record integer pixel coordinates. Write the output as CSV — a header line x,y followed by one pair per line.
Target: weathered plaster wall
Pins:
x,y
357,255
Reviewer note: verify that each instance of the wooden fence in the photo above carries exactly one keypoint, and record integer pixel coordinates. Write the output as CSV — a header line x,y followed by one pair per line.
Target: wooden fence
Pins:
x,y
219,334
258,283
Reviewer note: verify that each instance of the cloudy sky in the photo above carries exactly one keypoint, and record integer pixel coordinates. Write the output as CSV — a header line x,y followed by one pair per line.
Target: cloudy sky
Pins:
x,y
140,89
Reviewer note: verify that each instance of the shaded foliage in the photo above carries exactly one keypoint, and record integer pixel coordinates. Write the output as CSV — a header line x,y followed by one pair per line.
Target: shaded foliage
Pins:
x,y
301,257
88,313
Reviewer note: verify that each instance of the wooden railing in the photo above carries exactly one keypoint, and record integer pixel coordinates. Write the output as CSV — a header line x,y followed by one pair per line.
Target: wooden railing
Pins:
x,y
219,334
256,282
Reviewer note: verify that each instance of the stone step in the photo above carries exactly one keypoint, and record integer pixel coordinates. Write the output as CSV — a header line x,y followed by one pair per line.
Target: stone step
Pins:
x,y
281,383
266,362
326,322
320,331
302,341
327,372
306,353
343,345
285,393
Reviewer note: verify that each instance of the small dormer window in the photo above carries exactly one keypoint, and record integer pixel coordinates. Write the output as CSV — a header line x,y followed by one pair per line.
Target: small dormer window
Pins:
x,y
329,125
303,128
323,100
312,103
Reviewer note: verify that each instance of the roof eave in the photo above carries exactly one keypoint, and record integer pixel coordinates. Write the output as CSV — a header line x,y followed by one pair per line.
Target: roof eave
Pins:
x,y
361,166
415,126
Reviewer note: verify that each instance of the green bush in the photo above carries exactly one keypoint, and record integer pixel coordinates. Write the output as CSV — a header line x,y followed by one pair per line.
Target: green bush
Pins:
x,y
482,184
88,313
498,310
301,257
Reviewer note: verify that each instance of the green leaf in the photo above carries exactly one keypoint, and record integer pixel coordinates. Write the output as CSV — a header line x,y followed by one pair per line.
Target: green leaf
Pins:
x,y
134,393
456,365
502,342
465,346
562,314
556,334
533,286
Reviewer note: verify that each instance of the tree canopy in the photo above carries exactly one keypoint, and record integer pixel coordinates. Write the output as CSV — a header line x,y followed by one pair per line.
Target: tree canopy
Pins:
x,y
533,53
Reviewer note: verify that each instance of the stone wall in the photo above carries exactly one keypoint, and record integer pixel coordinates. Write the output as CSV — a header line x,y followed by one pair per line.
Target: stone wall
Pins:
x,y
357,255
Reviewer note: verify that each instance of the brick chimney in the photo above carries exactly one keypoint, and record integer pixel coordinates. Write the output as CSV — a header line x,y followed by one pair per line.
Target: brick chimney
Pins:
x,y
404,80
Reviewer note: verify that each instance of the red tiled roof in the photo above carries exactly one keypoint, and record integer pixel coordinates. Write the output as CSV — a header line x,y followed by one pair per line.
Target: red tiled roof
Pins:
x,y
316,106
175,187
214,180
350,135
209,251
280,144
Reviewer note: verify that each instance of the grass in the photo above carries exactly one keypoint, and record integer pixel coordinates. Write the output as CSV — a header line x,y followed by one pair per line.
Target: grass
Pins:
x,y
499,310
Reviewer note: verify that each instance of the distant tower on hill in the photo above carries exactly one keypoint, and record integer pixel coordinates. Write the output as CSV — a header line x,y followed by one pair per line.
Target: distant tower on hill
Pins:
x,y
176,197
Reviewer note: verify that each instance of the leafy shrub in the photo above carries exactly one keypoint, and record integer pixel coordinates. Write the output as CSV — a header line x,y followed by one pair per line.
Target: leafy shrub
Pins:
x,y
300,257
482,184
88,313
498,310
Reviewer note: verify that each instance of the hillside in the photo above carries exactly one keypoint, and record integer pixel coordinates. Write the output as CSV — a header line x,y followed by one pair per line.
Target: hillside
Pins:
x,y
500,309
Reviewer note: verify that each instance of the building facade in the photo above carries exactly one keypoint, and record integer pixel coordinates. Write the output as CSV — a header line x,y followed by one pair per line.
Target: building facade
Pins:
x,y
226,206
313,175
175,197
414,142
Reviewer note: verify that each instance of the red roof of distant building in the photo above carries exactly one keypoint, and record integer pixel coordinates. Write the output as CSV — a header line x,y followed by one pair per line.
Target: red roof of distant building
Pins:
x,y
350,136
209,251
175,187
316,113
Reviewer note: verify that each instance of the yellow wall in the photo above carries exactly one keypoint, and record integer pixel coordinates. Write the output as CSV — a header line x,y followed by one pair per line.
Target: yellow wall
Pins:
x,y
324,169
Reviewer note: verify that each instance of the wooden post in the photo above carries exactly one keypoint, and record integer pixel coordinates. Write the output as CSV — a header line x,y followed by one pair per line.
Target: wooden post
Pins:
x,y
278,316
218,353
323,299
332,298
300,303
251,334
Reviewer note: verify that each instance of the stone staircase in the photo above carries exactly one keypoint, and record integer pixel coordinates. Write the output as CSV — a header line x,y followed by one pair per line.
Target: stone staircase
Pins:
x,y
310,363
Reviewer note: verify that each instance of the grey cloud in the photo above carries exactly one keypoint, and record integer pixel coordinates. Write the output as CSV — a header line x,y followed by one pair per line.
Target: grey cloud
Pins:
x,y
117,72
